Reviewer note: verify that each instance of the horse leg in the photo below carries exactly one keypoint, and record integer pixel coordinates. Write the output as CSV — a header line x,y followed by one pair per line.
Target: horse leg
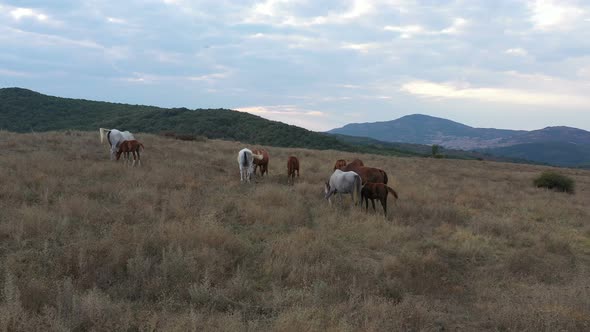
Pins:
x,y
372,203
384,204
138,158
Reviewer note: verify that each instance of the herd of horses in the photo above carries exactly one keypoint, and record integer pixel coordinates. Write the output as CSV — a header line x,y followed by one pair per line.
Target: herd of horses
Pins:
x,y
362,182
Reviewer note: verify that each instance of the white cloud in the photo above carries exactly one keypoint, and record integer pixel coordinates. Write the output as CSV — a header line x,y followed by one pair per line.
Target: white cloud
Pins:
x,y
292,114
554,15
282,13
20,13
290,110
116,20
14,73
492,94
408,31
361,47
458,26
147,78
516,51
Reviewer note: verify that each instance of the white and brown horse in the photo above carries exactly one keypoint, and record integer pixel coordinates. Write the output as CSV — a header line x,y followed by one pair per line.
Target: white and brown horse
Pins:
x,y
246,163
114,137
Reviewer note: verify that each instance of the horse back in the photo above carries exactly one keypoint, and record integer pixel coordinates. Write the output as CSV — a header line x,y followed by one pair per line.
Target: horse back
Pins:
x,y
265,157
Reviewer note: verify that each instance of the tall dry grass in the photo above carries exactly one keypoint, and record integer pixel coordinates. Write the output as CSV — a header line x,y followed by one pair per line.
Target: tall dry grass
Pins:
x,y
179,244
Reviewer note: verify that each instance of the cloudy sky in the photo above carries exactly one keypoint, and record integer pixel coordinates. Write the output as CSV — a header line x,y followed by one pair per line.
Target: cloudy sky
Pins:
x,y
316,64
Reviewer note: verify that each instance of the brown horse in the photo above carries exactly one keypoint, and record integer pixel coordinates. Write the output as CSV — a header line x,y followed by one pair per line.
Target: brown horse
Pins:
x,y
368,174
372,191
263,163
292,166
133,147
339,164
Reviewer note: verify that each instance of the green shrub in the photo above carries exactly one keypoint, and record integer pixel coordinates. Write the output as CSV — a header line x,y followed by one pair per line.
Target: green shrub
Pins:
x,y
555,181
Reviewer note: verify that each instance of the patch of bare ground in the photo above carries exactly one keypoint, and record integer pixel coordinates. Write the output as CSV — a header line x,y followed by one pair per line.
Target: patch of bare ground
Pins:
x,y
179,244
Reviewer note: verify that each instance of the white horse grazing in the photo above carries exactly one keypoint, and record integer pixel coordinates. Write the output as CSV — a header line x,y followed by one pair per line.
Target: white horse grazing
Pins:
x,y
114,137
246,162
344,183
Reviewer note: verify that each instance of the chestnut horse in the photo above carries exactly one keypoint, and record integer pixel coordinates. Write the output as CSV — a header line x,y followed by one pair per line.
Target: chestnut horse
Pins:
x,y
339,164
372,191
292,166
368,174
133,147
263,163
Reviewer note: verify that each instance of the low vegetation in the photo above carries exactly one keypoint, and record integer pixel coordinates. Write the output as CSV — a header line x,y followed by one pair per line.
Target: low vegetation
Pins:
x,y
555,181
180,245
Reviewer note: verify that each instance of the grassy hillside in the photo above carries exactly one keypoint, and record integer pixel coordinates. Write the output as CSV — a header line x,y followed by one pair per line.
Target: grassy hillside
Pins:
x,y
23,110
179,244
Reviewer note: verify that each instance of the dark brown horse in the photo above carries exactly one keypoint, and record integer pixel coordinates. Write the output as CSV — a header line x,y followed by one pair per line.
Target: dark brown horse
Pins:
x,y
372,191
133,147
368,174
263,163
341,164
292,166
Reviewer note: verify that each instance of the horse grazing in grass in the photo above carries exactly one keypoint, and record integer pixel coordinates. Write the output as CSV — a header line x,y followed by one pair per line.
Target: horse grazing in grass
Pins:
x,y
114,137
339,164
372,191
133,147
343,183
263,163
246,163
368,174
292,166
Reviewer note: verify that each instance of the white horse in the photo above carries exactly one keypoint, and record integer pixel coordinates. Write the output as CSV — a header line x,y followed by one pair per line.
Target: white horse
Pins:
x,y
114,137
344,183
246,162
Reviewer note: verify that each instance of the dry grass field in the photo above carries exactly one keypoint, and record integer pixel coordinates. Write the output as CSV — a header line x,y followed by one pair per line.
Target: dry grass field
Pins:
x,y
180,245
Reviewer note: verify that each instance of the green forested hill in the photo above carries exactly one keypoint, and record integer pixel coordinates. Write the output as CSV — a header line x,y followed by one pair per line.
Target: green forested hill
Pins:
x,y
24,110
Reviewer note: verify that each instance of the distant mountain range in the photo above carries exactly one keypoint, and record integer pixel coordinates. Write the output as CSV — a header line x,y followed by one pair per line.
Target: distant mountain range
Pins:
x,y
562,146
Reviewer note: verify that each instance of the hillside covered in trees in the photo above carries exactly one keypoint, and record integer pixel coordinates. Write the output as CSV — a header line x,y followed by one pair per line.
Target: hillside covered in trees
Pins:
x,y
23,110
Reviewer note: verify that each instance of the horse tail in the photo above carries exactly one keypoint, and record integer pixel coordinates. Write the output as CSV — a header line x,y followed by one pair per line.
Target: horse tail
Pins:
x,y
244,159
102,131
385,178
358,186
142,147
391,191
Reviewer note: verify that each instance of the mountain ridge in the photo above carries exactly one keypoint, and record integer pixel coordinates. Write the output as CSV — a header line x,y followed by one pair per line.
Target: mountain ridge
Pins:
x,y
429,130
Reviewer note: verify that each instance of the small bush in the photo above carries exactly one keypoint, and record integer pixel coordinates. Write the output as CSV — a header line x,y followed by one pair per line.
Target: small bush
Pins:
x,y
555,181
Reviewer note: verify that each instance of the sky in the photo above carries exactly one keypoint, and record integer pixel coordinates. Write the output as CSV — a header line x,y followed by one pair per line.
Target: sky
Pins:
x,y
315,64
